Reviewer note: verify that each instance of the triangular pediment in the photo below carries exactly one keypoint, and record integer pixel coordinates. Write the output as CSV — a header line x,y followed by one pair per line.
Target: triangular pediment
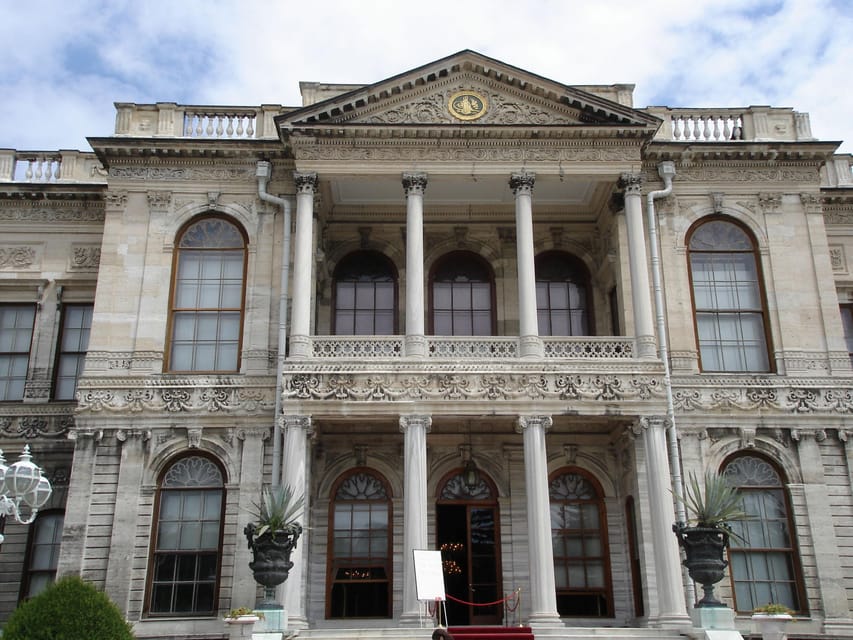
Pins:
x,y
466,89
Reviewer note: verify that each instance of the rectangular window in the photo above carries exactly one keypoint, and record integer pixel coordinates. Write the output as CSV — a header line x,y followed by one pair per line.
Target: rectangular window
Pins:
x,y
847,323
73,342
16,335
43,558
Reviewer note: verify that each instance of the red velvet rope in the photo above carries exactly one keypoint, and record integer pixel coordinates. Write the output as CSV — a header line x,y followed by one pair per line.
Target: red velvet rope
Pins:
x,y
480,604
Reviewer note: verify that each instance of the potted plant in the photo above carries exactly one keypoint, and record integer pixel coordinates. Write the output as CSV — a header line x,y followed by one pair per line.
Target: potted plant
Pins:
x,y
771,620
705,537
272,536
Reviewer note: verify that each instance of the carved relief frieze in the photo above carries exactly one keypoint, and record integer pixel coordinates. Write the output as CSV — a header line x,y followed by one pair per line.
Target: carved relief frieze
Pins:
x,y
813,396
747,173
36,212
838,216
85,257
837,258
48,423
219,174
19,257
219,395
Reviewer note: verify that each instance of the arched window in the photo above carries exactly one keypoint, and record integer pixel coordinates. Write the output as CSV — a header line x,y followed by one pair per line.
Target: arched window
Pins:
x,y
365,290
206,320
562,295
462,289
42,553
360,538
727,298
187,545
579,535
764,563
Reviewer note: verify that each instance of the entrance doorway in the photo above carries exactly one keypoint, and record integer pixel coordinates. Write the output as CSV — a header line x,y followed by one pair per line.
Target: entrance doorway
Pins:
x,y
467,534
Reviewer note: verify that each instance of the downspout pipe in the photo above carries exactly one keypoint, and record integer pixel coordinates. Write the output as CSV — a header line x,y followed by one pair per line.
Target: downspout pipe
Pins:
x,y
263,172
666,170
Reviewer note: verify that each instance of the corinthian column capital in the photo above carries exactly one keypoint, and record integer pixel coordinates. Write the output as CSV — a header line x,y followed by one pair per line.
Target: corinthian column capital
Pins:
x,y
631,183
522,183
525,422
414,183
306,181
415,421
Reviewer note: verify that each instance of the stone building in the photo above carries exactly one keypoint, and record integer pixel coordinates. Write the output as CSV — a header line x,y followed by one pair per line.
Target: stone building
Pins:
x,y
434,305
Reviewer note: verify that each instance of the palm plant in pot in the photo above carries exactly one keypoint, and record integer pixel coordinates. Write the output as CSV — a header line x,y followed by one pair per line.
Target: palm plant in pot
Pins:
x,y
712,507
272,536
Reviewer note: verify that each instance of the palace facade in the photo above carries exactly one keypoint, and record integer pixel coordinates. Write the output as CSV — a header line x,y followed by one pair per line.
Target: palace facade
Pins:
x,y
464,308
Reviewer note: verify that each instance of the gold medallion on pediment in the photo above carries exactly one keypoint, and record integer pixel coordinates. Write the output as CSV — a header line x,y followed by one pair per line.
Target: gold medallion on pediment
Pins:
x,y
467,105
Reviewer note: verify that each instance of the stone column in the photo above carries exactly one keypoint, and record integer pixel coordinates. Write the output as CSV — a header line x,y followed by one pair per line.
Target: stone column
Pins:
x,y
76,525
543,589
641,293
122,540
819,520
672,612
415,503
414,184
251,483
295,474
303,261
528,319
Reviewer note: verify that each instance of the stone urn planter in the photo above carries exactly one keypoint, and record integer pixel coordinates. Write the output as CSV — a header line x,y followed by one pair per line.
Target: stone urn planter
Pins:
x,y
704,550
272,538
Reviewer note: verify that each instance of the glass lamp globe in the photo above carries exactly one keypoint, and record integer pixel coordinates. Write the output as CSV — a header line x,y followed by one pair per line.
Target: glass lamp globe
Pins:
x,y
23,476
40,495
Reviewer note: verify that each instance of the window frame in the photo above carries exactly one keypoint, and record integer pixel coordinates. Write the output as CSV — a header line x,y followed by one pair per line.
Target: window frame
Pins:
x,y
718,312
27,571
174,310
846,310
392,272
579,269
154,538
332,563
61,353
606,591
29,350
792,551
473,258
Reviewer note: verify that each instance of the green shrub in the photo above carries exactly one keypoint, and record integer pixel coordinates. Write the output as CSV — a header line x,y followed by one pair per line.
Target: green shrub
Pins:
x,y
69,609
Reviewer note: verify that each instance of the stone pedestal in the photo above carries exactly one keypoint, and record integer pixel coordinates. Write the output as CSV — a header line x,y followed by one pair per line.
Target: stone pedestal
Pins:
x,y
718,623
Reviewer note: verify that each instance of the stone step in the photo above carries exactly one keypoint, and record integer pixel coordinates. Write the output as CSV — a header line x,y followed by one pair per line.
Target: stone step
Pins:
x,y
564,633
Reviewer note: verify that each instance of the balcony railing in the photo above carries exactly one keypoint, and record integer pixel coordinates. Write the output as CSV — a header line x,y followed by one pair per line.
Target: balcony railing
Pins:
x,y
747,124
50,167
476,348
170,120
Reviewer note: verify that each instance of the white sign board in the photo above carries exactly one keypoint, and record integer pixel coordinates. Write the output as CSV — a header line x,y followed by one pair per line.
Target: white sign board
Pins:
x,y
429,577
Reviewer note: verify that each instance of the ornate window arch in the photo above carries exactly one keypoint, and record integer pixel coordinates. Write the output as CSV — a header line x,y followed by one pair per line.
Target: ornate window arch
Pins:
x,y
728,297
462,296
208,296
581,552
186,556
765,565
562,295
360,559
365,295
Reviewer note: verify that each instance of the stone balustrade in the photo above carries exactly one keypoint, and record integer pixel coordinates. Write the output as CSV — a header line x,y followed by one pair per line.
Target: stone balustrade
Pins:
x,y
171,120
50,167
748,124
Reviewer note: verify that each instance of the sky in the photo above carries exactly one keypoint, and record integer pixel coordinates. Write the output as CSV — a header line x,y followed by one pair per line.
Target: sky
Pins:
x,y
65,62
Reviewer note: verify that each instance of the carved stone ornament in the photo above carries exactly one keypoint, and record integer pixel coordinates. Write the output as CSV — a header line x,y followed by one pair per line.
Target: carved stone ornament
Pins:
x,y
17,257
468,105
159,200
33,212
837,258
414,183
184,174
631,183
522,183
85,257
42,425
306,182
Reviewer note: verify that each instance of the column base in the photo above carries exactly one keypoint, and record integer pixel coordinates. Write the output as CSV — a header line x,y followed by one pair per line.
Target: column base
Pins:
x,y
672,621
545,621
300,347
415,346
531,347
646,347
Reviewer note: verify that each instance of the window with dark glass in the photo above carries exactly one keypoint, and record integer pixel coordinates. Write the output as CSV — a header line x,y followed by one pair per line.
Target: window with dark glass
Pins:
x,y
42,553
562,295
727,298
462,294
764,563
579,535
359,578
73,342
365,295
184,575
207,297
16,335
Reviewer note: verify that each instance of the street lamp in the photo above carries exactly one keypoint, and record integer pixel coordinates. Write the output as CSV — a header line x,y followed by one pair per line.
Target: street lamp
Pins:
x,y
21,484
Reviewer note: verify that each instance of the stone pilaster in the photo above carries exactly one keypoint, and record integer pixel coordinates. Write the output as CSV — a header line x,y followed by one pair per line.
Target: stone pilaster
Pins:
x,y
543,589
303,265
295,474
641,293
414,184
414,428
75,527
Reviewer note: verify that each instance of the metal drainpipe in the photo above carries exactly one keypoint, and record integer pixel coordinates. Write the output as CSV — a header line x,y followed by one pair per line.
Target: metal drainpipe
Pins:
x,y
666,170
264,169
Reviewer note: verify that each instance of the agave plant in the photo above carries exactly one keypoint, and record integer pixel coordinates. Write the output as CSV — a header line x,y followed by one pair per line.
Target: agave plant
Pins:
x,y
276,511
715,505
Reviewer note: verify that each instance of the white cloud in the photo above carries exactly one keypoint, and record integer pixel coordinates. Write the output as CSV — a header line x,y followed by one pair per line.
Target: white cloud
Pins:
x,y
67,62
